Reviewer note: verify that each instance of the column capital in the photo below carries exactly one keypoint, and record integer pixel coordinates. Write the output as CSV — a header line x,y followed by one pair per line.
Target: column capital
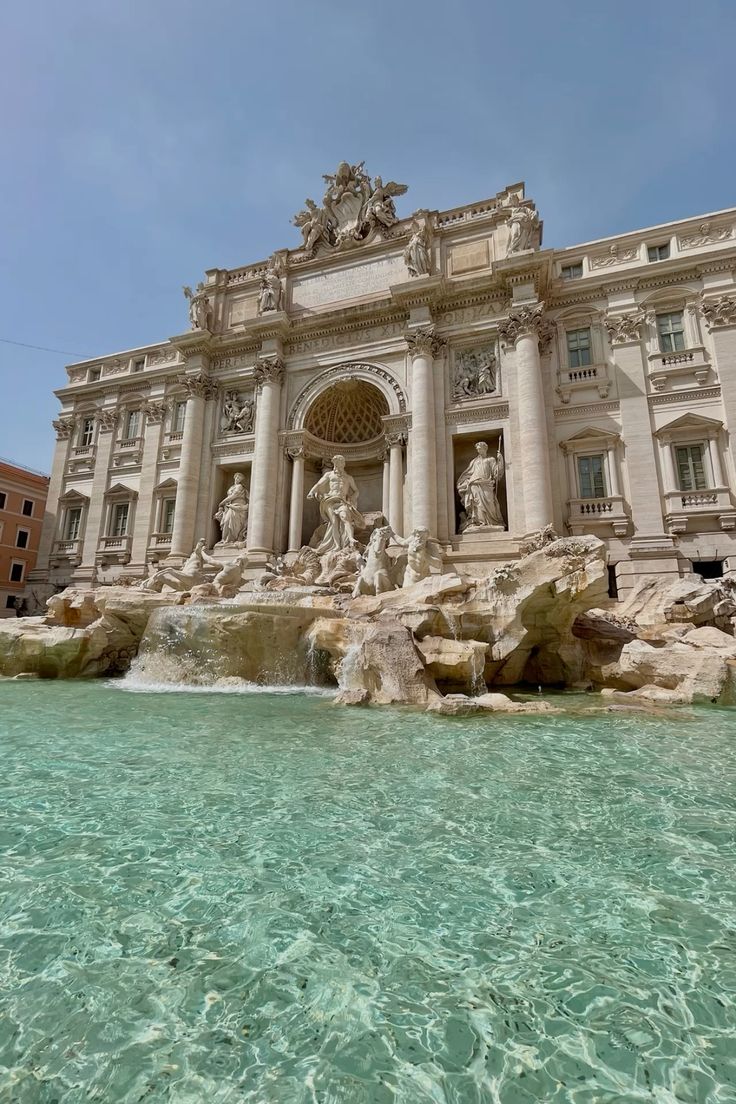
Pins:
x,y
394,439
63,427
155,411
107,419
423,341
719,312
296,452
625,329
527,321
198,385
269,369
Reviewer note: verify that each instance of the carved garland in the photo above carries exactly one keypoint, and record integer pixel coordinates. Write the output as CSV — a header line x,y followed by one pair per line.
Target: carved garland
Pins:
x,y
344,370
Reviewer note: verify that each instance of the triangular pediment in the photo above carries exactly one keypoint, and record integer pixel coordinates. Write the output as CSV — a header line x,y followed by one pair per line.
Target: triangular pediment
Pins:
x,y
167,485
74,498
591,433
689,422
121,489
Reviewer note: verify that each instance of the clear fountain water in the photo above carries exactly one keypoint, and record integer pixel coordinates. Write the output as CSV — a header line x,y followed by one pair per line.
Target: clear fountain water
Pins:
x,y
261,898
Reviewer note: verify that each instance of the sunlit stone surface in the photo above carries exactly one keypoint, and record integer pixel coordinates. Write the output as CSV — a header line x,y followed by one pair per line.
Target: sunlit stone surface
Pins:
x,y
248,897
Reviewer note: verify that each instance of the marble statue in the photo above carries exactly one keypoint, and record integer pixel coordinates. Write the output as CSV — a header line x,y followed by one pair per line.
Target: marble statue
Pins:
x,y
272,289
199,568
229,579
199,308
237,414
417,256
379,209
523,221
375,572
337,494
478,487
423,556
232,512
316,226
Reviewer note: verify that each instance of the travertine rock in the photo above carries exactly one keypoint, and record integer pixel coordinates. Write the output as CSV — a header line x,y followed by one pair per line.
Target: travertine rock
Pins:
x,y
454,663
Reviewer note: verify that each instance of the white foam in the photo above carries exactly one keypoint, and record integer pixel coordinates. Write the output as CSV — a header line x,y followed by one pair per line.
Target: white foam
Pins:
x,y
133,685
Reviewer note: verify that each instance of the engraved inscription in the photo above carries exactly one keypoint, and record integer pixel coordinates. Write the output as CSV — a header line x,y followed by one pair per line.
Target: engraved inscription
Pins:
x,y
346,283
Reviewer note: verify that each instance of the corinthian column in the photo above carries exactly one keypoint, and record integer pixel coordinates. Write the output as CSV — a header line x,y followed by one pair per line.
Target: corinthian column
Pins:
x,y
269,373
719,313
296,508
423,345
199,387
523,329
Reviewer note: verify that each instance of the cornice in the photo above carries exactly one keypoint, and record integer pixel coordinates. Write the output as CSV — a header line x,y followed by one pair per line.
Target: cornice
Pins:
x,y
667,398
588,408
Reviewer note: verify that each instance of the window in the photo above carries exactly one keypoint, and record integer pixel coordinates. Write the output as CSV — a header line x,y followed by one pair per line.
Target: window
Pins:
x,y
73,523
3,499
167,515
86,432
658,252
572,271
120,519
578,348
94,374
139,365
708,569
21,538
132,423
180,413
27,507
671,332
691,467
590,476
16,572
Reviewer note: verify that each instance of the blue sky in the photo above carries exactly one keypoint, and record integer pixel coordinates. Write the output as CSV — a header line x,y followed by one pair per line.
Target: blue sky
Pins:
x,y
147,140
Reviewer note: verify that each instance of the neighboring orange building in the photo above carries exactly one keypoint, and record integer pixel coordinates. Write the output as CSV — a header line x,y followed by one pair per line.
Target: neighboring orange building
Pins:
x,y
22,503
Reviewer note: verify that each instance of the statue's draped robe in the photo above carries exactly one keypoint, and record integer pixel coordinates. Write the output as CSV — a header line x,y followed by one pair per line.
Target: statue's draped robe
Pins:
x,y
478,489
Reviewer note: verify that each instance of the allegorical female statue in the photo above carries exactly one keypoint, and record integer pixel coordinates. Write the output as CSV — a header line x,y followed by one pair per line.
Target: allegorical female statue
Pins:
x,y
337,494
232,513
478,489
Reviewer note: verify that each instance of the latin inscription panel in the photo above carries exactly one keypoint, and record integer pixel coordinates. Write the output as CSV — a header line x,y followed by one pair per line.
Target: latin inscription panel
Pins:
x,y
351,282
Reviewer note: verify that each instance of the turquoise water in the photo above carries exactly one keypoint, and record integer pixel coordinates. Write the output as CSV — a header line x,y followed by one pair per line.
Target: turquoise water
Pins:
x,y
264,898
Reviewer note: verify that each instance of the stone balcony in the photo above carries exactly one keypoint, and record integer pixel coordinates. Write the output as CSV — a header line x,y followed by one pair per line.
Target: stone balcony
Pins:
x,y
684,507
171,448
114,549
158,544
128,452
81,459
66,552
591,376
680,367
609,511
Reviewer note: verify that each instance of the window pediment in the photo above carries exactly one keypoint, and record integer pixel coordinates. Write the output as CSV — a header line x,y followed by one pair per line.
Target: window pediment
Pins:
x,y
689,424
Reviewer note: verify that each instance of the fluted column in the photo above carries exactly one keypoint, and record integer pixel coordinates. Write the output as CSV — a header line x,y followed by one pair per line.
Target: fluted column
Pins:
x,y
395,443
154,414
719,312
199,388
107,420
269,374
423,345
669,478
296,506
64,426
523,329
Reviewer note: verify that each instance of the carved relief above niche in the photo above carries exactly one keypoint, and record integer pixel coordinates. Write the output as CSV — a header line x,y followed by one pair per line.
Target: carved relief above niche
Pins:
x,y
474,373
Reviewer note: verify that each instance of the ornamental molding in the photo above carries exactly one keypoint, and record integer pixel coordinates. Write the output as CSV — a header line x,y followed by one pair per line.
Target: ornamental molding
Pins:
x,y
625,329
198,386
424,342
615,255
527,321
234,448
344,370
670,397
155,412
719,312
708,233
471,309
592,408
107,420
342,337
466,416
268,369
63,427
161,356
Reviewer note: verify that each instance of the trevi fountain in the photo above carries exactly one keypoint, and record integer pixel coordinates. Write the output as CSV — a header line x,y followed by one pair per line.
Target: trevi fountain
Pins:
x,y
230,876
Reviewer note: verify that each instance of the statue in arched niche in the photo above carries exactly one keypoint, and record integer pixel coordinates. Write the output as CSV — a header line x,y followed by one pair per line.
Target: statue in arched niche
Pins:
x,y
337,494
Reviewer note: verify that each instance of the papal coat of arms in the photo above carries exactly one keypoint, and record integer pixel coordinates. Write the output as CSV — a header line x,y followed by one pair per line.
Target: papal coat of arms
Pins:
x,y
353,209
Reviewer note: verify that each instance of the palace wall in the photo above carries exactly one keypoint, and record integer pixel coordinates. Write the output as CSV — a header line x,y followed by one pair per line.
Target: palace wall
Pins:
x,y
605,374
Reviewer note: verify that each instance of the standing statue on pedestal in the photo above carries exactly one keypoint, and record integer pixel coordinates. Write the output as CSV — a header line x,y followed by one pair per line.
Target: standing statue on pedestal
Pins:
x,y
478,489
417,256
232,512
523,221
337,494
200,315
271,293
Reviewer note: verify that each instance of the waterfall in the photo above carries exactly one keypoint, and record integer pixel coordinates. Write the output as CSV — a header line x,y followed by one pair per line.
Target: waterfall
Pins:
x,y
216,647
